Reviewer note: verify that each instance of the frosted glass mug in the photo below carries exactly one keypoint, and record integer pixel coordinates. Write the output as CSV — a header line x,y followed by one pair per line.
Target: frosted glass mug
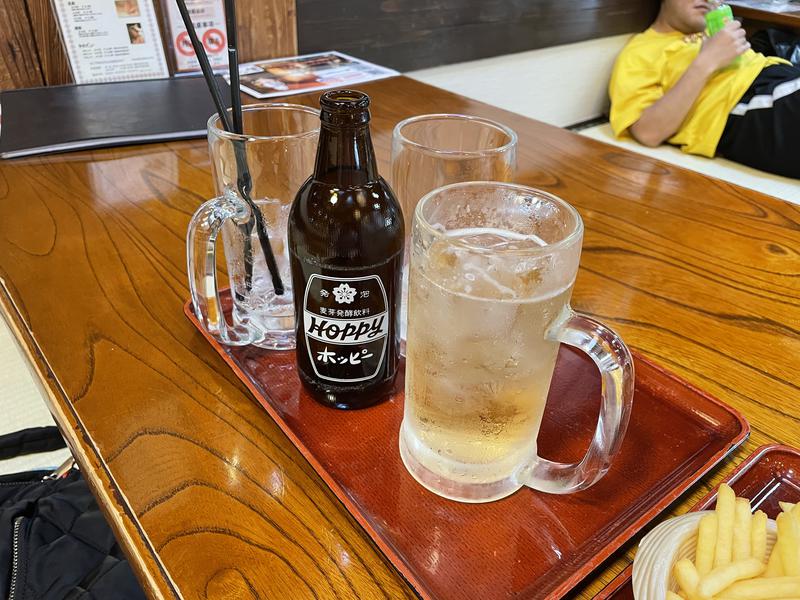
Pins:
x,y
492,270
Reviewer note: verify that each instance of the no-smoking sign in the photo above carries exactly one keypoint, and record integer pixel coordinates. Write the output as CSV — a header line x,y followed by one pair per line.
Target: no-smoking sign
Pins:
x,y
214,41
183,44
208,19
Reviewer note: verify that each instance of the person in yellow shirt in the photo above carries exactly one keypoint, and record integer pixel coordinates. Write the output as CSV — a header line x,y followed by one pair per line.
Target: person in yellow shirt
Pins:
x,y
708,95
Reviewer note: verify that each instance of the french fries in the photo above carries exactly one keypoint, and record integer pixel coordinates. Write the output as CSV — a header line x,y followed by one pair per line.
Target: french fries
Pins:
x,y
723,577
762,588
774,565
758,536
687,577
742,526
789,545
726,501
706,543
731,558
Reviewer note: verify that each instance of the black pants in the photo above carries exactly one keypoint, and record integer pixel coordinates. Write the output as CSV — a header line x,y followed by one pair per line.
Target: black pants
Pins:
x,y
763,130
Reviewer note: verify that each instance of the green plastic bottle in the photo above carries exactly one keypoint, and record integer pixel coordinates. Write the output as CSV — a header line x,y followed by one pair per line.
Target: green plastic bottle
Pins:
x,y
717,17
715,21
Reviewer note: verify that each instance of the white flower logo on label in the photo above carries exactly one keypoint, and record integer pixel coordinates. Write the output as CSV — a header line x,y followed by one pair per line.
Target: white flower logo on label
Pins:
x,y
344,294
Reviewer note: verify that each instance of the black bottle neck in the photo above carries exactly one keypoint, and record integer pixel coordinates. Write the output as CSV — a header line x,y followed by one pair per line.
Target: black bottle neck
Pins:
x,y
345,156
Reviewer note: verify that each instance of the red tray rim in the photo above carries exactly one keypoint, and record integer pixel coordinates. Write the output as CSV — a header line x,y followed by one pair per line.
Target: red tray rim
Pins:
x,y
581,573
624,577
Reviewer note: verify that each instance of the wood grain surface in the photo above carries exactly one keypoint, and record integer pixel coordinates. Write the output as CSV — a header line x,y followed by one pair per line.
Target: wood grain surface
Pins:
x,y
755,18
19,64
52,56
414,34
267,29
209,498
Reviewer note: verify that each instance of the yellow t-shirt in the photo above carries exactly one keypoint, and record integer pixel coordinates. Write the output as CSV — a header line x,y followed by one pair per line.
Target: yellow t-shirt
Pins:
x,y
652,62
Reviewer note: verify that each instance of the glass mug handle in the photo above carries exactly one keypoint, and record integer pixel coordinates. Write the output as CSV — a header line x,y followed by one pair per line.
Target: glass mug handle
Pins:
x,y
201,259
615,363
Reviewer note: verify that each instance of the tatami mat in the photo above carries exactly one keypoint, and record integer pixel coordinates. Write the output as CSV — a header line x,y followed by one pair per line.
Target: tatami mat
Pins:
x,y
21,404
774,185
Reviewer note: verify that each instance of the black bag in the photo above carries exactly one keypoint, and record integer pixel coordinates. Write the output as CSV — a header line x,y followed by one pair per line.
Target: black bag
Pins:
x,y
54,541
774,42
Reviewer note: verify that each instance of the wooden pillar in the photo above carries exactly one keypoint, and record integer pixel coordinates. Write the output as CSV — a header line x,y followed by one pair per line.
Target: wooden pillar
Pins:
x,y
53,58
19,63
267,28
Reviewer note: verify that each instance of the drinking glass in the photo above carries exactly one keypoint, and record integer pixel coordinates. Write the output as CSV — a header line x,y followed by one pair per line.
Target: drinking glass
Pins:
x,y
279,144
429,151
492,270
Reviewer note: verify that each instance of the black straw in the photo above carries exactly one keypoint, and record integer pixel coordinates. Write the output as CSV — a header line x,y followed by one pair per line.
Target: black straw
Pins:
x,y
205,66
233,65
242,182
244,179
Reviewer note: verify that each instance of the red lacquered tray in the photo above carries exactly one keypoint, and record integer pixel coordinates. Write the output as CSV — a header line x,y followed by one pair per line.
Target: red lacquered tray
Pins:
x,y
530,545
770,475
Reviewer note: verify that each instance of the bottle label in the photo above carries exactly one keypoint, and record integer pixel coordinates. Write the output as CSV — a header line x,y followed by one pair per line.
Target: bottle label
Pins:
x,y
346,325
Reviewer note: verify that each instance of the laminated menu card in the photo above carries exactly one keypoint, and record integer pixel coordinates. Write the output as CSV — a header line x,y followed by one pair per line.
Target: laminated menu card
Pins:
x,y
111,40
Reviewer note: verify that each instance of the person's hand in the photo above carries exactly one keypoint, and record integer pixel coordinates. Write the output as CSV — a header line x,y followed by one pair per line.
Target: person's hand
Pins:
x,y
722,48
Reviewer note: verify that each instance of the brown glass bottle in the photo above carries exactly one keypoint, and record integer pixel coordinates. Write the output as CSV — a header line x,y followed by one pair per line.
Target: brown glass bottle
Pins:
x,y
346,238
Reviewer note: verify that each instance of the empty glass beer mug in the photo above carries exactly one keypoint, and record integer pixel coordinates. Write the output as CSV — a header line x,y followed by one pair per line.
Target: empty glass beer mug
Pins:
x,y
279,146
492,270
429,151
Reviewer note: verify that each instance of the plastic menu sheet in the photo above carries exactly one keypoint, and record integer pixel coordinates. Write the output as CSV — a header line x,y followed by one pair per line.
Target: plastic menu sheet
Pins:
x,y
307,73
111,40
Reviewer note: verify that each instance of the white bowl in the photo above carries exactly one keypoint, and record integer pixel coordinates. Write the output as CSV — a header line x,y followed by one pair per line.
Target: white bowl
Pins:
x,y
665,545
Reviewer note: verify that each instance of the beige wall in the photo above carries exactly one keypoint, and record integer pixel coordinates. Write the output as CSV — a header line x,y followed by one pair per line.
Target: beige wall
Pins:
x,y
562,85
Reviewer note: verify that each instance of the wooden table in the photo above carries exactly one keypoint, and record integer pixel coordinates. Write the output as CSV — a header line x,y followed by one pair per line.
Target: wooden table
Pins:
x,y
762,18
208,497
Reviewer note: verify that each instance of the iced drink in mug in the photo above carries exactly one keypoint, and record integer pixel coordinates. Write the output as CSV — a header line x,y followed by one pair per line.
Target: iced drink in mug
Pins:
x,y
492,270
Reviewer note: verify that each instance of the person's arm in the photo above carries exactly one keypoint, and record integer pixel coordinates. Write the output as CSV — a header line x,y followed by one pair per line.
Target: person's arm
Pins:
x,y
662,119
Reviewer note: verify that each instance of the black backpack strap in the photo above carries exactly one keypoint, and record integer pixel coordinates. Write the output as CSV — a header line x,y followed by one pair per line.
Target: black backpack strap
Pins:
x,y
30,441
